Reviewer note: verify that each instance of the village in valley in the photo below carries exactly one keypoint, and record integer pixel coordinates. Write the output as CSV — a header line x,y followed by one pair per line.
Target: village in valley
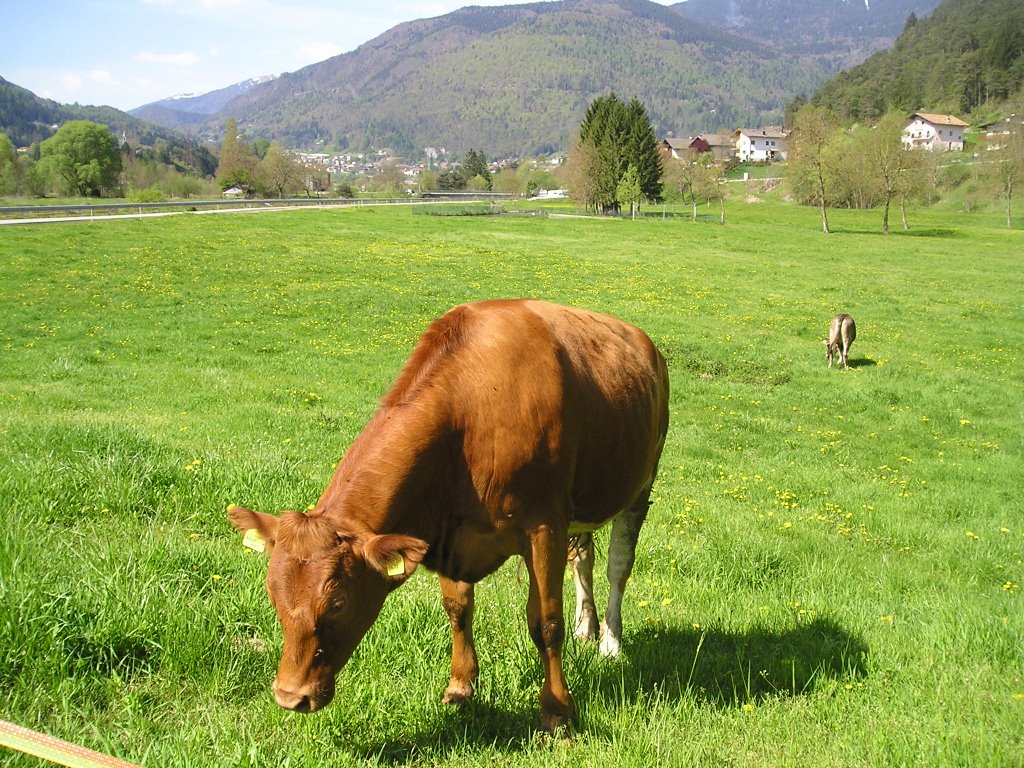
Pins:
x,y
765,145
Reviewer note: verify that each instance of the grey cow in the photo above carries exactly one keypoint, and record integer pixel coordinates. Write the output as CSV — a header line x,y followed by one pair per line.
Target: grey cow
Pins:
x,y
841,333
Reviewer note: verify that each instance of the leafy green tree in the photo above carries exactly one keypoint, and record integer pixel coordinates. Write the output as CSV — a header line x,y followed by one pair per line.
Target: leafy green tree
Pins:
x,y
813,163
85,155
508,182
451,180
8,166
260,147
428,180
628,192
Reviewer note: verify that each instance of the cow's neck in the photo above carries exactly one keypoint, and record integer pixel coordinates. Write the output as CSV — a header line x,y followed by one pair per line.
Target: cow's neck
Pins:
x,y
399,463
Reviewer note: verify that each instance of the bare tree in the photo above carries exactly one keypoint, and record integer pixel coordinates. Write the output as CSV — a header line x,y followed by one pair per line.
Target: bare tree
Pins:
x,y
579,174
278,170
811,159
895,167
1008,167
697,178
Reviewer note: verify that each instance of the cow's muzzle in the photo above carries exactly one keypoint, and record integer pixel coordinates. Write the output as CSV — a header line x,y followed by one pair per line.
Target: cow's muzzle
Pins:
x,y
303,698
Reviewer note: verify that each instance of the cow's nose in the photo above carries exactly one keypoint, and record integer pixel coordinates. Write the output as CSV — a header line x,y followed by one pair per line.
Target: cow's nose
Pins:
x,y
308,697
295,701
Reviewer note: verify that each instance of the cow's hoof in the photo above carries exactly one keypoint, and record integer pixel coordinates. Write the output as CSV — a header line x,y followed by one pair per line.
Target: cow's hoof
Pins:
x,y
557,727
457,694
611,646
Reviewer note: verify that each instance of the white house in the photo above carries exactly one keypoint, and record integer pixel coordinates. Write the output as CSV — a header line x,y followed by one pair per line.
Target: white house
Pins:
x,y
943,133
759,144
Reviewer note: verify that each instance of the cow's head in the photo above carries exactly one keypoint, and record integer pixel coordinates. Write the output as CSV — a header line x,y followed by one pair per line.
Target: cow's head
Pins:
x,y
327,586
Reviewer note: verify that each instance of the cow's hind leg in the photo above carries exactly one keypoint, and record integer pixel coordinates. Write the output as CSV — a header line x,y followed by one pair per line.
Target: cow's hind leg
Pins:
x,y
545,561
457,597
621,556
581,553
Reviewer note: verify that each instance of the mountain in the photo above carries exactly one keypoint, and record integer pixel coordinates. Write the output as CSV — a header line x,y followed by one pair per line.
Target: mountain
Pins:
x,y
190,109
966,55
516,79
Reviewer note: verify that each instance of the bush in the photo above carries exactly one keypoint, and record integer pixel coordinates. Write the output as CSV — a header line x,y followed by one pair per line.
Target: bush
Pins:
x,y
148,195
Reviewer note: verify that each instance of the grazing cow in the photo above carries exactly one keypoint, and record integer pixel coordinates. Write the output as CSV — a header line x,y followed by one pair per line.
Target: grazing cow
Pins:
x,y
841,333
514,427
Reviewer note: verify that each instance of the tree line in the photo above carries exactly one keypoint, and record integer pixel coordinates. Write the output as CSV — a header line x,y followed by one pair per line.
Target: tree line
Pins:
x,y
832,166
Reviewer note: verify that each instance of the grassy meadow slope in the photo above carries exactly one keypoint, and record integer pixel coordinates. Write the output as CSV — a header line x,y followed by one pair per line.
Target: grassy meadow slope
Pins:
x,y
830,575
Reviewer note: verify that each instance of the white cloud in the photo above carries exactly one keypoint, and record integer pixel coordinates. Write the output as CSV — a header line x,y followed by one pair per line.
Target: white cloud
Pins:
x,y
182,59
71,81
315,52
103,77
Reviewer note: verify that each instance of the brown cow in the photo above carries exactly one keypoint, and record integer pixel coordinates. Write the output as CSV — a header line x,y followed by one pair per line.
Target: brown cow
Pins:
x,y
514,426
841,333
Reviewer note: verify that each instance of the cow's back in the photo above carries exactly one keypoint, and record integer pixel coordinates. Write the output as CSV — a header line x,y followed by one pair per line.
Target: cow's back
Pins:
x,y
552,400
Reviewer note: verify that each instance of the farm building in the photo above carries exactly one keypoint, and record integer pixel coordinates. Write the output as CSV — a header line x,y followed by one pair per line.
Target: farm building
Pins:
x,y
759,144
942,133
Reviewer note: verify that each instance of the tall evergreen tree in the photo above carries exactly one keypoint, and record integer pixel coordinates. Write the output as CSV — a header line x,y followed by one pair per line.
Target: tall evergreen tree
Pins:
x,y
475,164
621,136
642,151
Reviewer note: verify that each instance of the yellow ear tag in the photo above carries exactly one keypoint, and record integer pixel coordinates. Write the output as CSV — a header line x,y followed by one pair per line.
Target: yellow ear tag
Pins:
x,y
254,541
397,566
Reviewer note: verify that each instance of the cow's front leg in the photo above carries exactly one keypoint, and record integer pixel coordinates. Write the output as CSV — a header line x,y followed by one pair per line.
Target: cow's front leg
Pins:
x,y
457,597
546,564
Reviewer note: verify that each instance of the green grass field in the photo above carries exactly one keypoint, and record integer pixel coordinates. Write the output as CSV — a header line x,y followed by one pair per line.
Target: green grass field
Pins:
x,y
830,575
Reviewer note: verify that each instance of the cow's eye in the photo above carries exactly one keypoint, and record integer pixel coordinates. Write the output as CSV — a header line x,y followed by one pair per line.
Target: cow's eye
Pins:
x,y
337,606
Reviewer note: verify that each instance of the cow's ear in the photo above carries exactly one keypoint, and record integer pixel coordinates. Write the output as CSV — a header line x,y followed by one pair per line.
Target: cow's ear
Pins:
x,y
394,556
260,529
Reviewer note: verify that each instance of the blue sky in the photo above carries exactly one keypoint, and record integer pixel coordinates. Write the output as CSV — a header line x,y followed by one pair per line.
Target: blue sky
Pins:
x,y
127,53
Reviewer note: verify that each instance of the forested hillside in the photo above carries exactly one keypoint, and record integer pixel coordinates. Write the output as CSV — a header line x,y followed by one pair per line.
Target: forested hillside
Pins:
x,y
24,117
843,32
967,54
27,119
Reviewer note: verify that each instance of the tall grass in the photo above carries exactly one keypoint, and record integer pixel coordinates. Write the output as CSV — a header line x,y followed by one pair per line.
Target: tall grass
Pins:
x,y
830,574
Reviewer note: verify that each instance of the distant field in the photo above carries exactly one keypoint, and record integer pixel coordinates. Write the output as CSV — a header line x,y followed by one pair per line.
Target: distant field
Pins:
x,y
831,574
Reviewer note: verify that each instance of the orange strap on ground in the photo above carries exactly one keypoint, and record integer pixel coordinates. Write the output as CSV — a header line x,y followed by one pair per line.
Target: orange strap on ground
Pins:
x,y
56,751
